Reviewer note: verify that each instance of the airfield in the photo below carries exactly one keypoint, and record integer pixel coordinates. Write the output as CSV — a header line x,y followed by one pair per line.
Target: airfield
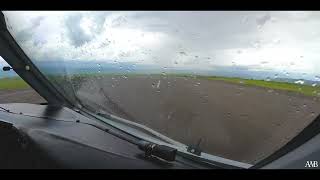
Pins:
x,y
233,120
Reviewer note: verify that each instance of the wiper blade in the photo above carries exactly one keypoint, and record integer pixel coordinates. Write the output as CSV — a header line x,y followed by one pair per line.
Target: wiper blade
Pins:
x,y
116,121
150,149
143,128
208,159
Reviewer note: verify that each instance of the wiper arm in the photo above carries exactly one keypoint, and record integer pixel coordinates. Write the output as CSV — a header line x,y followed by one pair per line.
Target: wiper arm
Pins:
x,y
161,151
137,130
208,159
114,121
195,149
150,149
142,128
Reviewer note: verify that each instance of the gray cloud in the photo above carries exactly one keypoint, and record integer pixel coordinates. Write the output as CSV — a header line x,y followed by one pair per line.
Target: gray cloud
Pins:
x,y
200,30
98,19
75,33
27,33
218,35
263,19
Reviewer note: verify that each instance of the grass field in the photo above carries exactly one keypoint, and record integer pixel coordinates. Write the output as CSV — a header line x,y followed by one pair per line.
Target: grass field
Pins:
x,y
18,83
12,83
299,88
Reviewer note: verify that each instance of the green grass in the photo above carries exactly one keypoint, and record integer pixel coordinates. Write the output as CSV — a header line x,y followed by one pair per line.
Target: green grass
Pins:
x,y
298,88
18,83
13,83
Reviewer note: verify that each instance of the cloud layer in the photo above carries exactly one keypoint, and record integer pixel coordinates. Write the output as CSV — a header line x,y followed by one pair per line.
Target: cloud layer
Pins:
x,y
279,41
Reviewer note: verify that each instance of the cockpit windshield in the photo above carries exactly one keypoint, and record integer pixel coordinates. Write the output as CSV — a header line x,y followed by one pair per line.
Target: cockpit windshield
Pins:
x,y
239,85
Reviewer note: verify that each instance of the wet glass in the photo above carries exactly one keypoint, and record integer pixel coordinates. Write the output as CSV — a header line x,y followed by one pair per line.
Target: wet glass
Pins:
x,y
244,83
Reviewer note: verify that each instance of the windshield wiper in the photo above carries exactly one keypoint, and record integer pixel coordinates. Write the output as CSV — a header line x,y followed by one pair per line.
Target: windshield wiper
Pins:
x,y
150,149
147,134
161,151
115,121
143,133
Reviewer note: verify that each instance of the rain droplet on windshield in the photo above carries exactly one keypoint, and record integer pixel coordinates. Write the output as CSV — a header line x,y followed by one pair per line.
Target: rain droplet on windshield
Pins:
x,y
259,27
153,85
276,41
299,82
99,68
245,19
182,53
256,45
124,77
158,84
270,90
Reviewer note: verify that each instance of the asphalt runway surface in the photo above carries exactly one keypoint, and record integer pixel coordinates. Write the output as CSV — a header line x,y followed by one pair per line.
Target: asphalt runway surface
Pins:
x,y
233,121
20,96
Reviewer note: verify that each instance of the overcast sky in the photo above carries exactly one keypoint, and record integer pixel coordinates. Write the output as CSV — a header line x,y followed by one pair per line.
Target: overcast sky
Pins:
x,y
280,41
